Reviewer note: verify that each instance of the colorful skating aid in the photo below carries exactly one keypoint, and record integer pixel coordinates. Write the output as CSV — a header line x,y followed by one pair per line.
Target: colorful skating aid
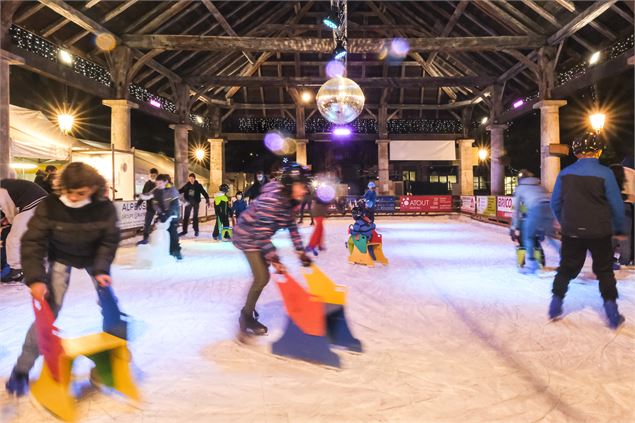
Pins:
x,y
225,230
109,352
315,320
365,251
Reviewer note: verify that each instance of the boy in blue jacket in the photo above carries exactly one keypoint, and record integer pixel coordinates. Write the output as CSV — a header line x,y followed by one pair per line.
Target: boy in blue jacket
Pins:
x,y
587,202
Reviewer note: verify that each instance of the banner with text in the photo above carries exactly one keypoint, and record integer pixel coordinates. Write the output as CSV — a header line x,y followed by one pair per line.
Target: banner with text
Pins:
x,y
504,207
425,203
468,204
486,205
129,216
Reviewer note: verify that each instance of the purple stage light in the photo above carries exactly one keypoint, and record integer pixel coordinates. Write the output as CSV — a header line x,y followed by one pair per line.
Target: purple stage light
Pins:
x,y
335,69
325,192
155,103
518,103
274,141
341,131
399,48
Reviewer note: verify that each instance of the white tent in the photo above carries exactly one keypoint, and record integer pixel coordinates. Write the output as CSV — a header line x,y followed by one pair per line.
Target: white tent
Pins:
x,y
33,136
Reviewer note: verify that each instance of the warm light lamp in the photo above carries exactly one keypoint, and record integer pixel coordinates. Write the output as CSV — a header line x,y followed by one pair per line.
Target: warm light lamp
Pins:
x,y
597,121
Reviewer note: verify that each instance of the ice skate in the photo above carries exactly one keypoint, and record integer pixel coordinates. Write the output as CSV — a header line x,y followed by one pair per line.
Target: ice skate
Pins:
x,y
530,267
249,324
555,308
18,383
613,314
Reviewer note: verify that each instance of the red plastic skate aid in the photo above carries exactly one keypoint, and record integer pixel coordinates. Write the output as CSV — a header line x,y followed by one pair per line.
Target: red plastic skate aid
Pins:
x,y
304,309
49,342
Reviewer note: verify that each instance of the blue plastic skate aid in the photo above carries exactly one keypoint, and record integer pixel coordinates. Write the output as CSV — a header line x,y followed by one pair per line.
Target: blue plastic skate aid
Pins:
x,y
338,331
113,323
297,344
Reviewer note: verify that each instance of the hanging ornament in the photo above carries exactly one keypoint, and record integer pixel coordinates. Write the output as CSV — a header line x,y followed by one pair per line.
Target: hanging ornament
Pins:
x,y
340,100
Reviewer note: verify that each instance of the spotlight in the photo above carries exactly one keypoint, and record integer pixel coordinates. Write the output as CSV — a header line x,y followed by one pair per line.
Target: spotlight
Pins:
x,y
597,121
483,154
199,154
306,96
340,52
595,57
342,131
199,120
331,21
65,57
334,69
65,122
518,103
484,120
155,103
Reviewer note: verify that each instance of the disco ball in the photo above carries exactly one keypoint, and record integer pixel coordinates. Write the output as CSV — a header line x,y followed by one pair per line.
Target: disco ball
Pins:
x,y
340,100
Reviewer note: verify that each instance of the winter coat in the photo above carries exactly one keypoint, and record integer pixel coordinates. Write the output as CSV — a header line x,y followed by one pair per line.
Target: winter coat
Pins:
x,y
221,204
86,237
148,187
363,227
166,202
587,202
254,191
529,193
17,195
238,207
370,197
192,192
272,211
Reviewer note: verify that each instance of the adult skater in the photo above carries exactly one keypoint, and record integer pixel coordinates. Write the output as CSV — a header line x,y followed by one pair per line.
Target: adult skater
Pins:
x,y
77,228
222,209
146,195
273,210
319,212
537,221
371,197
45,179
624,179
192,192
18,200
166,205
586,201
254,190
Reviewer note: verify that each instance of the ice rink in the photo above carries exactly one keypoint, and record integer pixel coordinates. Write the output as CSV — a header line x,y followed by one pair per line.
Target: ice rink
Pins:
x,y
451,331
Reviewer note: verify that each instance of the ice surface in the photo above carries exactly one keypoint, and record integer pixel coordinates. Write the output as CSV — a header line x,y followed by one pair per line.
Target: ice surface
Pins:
x,y
452,333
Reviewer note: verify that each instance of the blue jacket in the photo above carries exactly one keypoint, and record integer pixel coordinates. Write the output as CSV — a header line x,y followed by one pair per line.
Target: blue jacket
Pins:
x,y
529,193
370,197
238,207
587,202
362,227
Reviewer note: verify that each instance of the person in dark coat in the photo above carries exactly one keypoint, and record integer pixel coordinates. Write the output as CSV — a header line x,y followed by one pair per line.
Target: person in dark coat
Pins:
x,y
192,192
254,190
77,228
587,202
145,198
307,203
166,205
18,200
45,179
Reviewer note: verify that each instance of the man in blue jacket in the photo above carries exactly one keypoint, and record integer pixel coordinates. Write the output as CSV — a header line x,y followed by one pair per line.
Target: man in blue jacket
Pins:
x,y
587,202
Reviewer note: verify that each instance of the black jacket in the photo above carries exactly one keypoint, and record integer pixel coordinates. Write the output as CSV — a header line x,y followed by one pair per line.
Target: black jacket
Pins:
x,y
192,192
147,188
17,195
86,237
166,202
254,191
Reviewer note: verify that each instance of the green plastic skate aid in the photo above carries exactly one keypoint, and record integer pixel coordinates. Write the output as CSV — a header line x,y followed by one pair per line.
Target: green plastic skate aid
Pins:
x,y
360,243
103,367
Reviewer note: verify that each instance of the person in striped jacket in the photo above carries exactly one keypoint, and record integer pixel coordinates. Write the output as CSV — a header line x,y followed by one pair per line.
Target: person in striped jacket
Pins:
x,y
271,211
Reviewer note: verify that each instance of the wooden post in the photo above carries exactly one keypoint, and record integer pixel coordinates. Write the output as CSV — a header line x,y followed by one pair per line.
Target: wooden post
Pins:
x,y
549,135
466,166
216,163
383,166
497,169
547,65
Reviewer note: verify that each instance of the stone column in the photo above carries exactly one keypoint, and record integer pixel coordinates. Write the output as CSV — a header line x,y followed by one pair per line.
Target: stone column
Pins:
x,y
216,163
6,60
466,167
497,169
300,151
120,122
181,147
549,134
383,166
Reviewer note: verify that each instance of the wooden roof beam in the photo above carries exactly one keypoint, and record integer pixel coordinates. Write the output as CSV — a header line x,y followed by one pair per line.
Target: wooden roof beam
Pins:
x,y
109,16
223,23
164,16
502,17
581,20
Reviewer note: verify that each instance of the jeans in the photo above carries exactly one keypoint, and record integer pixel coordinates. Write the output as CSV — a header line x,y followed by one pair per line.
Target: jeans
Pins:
x,y
539,221
260,270
57,284
191,207
175,247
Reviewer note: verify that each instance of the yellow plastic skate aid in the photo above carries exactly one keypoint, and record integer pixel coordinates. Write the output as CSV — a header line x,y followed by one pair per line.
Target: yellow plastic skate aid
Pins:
x,y
56,396
379,253
324,288
358,257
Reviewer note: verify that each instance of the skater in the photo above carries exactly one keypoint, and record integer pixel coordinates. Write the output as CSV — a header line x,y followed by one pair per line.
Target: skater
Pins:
x,y
192,192
254,190
371,197
625,182
586,201
273,210
319,212
222,209
18,200
536,222
146,195
75,228
45,179
307,203
166,205
238,206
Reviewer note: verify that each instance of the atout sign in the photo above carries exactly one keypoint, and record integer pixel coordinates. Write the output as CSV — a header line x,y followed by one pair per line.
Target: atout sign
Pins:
x,y
425,203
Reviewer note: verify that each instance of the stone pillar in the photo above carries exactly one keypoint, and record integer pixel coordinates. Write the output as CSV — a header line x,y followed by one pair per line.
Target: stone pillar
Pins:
x,y
497,169
120,122
549,134
300,151
466,167
216,163
383,166
181,148
6,60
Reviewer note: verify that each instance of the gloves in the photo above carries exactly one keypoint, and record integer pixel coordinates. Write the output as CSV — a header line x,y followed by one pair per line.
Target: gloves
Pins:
x,y
513,234
306,260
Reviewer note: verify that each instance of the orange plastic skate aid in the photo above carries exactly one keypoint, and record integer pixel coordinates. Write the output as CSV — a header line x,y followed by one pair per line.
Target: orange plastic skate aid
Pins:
x,y
304,309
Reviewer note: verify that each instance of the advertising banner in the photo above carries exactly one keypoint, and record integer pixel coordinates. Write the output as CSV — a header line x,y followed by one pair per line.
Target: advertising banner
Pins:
x,y
504,207
468,204
385,204
486,205
129,216
425,203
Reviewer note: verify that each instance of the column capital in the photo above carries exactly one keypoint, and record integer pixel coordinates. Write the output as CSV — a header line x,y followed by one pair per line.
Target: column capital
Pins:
x,y
12,58
301,140
496,126
177,126
550,104
466,140
120,102
215,140
384,141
